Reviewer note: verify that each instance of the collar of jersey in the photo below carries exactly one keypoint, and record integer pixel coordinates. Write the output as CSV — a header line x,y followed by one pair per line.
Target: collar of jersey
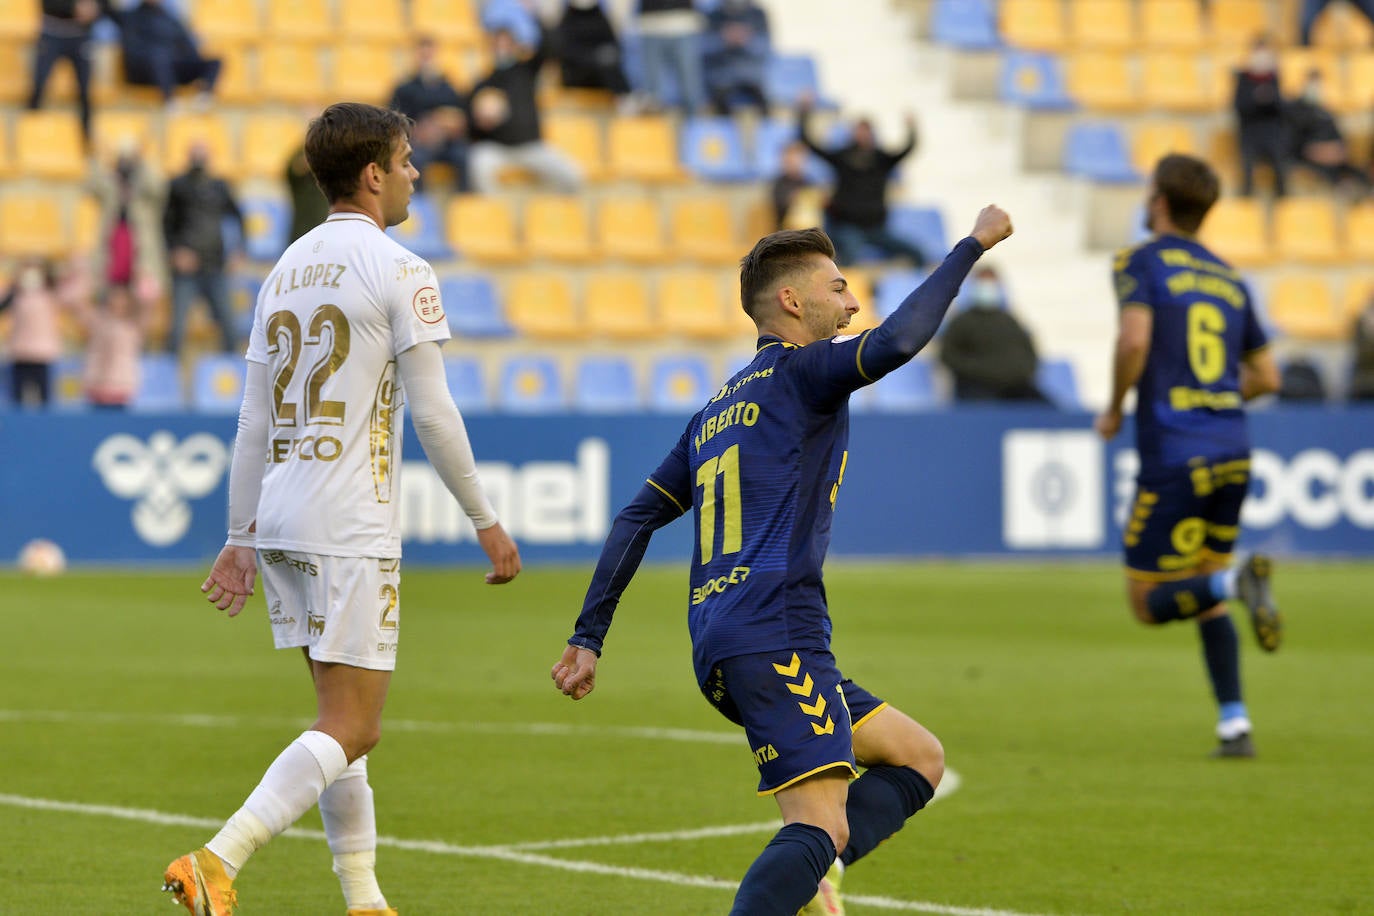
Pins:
x,y
347,216
769,340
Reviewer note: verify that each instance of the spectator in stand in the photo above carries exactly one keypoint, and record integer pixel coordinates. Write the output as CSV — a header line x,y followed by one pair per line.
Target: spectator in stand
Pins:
x,y
441,128
115,333
1316,141
1362,366
1310,9
35,339
308,205
589,53
504,119
794,202
131,248
198,203
989,353
856,215
670,40
736,54
159,50
66,32
1259,113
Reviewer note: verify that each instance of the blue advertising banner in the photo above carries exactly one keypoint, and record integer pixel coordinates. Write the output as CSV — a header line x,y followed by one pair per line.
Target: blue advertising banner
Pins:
x,y
137,488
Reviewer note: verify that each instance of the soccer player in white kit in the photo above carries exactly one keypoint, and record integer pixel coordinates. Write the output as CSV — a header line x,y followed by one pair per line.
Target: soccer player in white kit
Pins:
x,y
348,327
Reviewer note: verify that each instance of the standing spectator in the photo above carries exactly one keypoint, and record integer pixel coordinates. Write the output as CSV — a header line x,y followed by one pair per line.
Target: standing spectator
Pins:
x,y
737,52
131,248
197,205
989,353
1311,8
66,32
589,53
670,39
1259,113
115,334
159,50
308,206
1362,367
857,212
1316,141
792,207
35,339
505,122
429,99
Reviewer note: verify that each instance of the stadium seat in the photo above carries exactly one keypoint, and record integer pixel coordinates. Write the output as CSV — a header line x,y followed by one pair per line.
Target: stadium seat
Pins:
x,y
789,77
1175,24
1359,293
1034,80
1172,81
1235,23
300,20
690,305
372,21
68,381
113,130
616,306
159,385
1305,231
680,384
365,71
291,71
1103,24
967,24
32,224
1238,232
1155,139
467,384
630,228
644,149
713,150
541,305
1057,381
771,137
15,70
1360,70
217,383
1296,63
704,230
473,307
238,80
1359,233
266,225
579,136
18,21
893,286
557,228
423,230
243,299
1340,26
221,22
1036,25
606,384
923,225
86,224
453,22
183,130
1302,306
910,388
1102,81
1097,151
531,384
48,145
268,140
482,228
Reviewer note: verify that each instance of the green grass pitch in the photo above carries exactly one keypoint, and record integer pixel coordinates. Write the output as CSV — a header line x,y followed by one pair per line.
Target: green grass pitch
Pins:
x,y
1079,737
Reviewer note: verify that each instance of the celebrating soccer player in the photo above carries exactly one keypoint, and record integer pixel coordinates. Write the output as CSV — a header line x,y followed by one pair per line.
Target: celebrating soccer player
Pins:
x,y
760,466
1192,348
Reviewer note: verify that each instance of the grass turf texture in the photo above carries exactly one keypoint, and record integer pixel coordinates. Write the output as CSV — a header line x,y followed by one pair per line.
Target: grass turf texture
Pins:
x,y
1081,739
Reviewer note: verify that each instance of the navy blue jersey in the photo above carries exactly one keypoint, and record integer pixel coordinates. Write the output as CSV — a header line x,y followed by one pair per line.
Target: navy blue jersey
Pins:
x,y
1188,402
760,467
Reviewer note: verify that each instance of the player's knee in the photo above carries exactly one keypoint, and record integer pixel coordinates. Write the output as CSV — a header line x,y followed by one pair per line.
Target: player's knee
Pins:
x,y
929,759
1138,597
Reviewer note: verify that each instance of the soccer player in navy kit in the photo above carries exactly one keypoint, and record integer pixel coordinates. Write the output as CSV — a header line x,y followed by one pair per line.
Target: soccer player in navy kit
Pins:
x,y
760,467
1192,348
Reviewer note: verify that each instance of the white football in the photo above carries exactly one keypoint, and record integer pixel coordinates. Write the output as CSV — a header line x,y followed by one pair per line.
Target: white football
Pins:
x,y
42,557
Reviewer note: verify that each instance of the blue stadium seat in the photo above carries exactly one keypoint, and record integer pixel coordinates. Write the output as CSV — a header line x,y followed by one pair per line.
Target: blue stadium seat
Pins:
x,y
788,77
923,225
159,385
423,232
1057,381
217,383
67,381
894,286
606,384
1034,80
531,384
910,388
680,384
774,135
473,307
243,299
968,24
514,17
1098,152
713,149
266,224
467,384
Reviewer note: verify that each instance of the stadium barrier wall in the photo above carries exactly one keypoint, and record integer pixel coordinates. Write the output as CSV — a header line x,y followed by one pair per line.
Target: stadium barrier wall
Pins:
x,y
991,481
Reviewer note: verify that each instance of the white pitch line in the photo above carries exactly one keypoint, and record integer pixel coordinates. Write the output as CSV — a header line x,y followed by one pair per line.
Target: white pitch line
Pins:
x,y
502,853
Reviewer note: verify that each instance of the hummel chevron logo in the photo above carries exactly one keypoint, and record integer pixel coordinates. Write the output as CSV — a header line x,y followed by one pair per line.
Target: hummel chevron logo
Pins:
x,y
827,729
803,689
789,670
818,710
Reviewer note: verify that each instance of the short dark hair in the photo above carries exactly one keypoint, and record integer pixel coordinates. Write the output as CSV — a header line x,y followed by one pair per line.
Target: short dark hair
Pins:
x,y
345,138
774,257
1189,188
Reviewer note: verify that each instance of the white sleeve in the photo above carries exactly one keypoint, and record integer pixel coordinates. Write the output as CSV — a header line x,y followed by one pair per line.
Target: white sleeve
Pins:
x,y
441,430
250,450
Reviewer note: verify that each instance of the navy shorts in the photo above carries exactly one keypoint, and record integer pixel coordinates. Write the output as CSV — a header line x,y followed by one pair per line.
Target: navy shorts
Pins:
x,y
798,712
1184,516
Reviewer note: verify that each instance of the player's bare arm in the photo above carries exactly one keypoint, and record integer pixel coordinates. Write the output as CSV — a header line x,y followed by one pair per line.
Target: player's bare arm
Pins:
x,y
575,673
502,552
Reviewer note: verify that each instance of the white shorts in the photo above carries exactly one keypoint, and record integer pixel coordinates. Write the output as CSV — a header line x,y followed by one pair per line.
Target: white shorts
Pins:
x,y
345,609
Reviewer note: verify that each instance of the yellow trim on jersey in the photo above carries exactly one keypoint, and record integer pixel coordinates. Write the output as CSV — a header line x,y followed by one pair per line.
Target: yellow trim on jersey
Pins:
x,y
1208,555
1142,575
853,774
1138,305
855,726
651,482
859,354
1262,347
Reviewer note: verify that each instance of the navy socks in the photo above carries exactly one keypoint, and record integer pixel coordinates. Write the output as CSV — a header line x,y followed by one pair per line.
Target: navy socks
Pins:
x,y
784,877
880,801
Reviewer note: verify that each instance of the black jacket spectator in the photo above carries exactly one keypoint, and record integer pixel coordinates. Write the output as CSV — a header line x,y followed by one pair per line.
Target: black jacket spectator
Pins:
x,y
517,79
1315,138
197,205
423,93
1259,114
737,49
160,51
862,172
990,355
588,51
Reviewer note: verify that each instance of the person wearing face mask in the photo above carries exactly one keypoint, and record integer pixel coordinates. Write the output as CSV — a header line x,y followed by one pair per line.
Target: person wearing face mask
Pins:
x,y
1316,141
1259,114
198,203
35,338
429,99
737,49
159,50
990,354
130,251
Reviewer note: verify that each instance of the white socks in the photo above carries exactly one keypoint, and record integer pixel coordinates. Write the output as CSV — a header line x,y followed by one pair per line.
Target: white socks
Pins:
x,y
350,825
290,787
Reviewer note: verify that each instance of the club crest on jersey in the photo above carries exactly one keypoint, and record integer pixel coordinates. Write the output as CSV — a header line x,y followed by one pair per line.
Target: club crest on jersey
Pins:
x,y
428,307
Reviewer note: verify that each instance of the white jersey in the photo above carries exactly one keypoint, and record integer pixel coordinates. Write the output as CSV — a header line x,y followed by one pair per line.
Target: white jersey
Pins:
x,y
332,316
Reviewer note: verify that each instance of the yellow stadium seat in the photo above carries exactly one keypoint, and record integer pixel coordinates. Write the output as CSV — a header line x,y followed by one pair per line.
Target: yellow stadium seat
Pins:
x,y
483,228
1155,139
690,304
1296,63
300,20
365,72
1360,70
704,230
630,228
87,218
1102,81
113,129
579,136
220,22
1359,233
644,149
185,129
1238,232
1170,81
1305,230
617,306
16,73
1037,25
450,21
1302,306
48,144
1359,295
33,224
268,140
1223,152
1237,22
18,20
1103,24
1340,25
1172,24
291,72
1223,79
541,305
556,227
237,82
373,21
